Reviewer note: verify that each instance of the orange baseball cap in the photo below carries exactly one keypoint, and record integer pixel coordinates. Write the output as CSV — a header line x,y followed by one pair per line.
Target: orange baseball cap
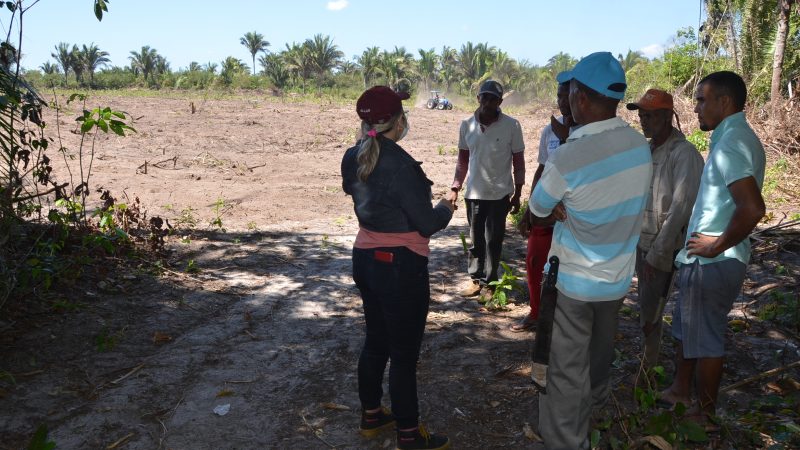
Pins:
x,y
653,99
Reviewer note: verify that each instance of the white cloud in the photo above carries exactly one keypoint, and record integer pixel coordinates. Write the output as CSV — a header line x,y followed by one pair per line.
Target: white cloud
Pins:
x,y
338,5
652,50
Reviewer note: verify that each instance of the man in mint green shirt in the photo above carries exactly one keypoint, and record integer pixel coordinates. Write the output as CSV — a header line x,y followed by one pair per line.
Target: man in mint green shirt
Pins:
x,y
712,264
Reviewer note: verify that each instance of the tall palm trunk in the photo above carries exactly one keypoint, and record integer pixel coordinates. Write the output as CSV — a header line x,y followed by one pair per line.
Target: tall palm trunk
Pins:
x,y
733,44
784,10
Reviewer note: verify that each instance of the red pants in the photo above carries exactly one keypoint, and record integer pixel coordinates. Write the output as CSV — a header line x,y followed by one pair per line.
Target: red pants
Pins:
x,y
538,247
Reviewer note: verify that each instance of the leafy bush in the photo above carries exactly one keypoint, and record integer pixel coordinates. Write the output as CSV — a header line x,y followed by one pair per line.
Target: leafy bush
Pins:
x,y
773,177
699,139
194,79
114,78
503,287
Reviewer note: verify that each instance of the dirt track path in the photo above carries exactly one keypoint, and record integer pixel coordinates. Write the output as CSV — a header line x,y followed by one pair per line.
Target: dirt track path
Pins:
x,y
272,327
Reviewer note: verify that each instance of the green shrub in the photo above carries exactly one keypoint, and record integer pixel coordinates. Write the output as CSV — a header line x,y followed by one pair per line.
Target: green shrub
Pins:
x,y
699,139
114,78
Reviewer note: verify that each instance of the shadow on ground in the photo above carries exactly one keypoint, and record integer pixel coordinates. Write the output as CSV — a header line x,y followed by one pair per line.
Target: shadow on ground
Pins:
x,y
270,324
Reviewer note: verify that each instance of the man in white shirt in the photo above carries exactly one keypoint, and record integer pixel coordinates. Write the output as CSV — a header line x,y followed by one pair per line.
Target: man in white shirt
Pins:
x,y
490,150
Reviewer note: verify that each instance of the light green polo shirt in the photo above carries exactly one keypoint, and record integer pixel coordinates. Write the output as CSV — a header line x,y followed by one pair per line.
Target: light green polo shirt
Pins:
x,y
736,153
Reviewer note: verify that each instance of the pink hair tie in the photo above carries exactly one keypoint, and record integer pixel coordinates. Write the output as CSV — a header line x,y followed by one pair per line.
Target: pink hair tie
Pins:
x,y
372,133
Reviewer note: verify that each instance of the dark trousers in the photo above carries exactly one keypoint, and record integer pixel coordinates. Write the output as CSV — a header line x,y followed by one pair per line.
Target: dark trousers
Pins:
x,y
487,228
653,294
395,296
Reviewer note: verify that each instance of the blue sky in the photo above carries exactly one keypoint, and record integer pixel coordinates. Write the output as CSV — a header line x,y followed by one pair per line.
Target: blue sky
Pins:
x,y
209,31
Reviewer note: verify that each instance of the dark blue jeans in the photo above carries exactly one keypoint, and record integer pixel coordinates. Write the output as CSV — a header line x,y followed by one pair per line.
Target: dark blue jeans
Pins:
x,y
395,296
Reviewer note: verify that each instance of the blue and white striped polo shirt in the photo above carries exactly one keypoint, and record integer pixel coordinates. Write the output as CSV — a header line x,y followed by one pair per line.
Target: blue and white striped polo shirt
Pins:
x,y
602,176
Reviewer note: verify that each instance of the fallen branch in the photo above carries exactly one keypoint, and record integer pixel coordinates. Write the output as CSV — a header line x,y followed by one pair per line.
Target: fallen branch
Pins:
x,y
161,267
242,381
256,166
132,371
119,442
764,289
39,194
316,431
27,374
620,416
299,266
142,168
760,376
656,441
778,226
174,160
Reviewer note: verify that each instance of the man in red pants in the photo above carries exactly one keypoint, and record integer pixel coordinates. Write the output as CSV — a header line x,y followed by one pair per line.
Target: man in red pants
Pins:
x,y
539,236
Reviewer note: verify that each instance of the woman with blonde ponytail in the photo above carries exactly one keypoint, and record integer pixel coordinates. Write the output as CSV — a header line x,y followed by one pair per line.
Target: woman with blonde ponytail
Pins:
x,y
370,148
392,200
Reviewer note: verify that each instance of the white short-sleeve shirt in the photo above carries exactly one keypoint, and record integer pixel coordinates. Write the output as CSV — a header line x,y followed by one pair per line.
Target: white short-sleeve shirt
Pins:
x,y
490,156
548,142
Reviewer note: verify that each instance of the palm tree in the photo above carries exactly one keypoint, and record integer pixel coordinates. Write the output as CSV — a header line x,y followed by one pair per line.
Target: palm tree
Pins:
x,y
396,66
347,67
631,59
448,66
538,82
63,56
78,65
473,63
467,62
230,67
325,55
254,42
194,66
162,66
560,62
93,58
485,56
503,69
759,35
144,61
275,69
427,66
369,62
299,62
49,68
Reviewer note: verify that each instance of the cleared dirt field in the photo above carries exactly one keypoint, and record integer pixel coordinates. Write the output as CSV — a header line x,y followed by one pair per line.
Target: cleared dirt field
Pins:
x,y
270,323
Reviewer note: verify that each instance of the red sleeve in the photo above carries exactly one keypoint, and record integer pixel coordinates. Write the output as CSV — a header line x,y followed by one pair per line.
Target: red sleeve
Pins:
x,y
461,168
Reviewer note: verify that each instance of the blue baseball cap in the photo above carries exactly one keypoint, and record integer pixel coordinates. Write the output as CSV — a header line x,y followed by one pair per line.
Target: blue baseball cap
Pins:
x,y
601,72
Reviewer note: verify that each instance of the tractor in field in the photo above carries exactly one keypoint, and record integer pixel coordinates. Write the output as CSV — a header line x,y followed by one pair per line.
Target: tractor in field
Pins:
x,y
436,101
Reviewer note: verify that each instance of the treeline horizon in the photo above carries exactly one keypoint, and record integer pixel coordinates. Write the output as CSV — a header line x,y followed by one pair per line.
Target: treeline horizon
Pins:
x,y
318,65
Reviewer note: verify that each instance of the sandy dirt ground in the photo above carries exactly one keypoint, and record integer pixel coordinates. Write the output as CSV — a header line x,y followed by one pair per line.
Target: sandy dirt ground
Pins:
x,y
269,323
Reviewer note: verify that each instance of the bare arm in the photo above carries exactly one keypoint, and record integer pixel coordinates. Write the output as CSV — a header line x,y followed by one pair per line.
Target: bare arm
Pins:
x,y
559,213
518,161
462,166
524,225
749,210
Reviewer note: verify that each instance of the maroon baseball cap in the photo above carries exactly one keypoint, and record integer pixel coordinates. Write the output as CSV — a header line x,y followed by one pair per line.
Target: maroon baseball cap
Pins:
x,y
378,104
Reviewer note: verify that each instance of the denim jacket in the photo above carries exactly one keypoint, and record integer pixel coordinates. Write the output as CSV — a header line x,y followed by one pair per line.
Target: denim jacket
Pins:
x,y
396,197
